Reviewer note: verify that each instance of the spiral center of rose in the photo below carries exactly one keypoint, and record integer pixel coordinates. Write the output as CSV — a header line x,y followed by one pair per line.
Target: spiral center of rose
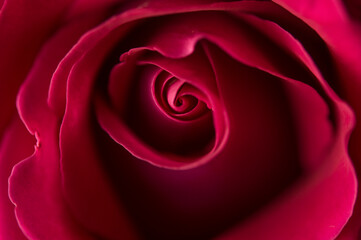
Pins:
x,y
178,99
164,110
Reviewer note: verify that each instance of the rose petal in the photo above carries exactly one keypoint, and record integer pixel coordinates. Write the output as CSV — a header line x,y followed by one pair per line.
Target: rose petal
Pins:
x,y
19,48
343,37
320,11
183,69
303,214
86,187
335,180
354,8
57,88
35,186
143,106
352,84
36,192
16,145
86,7
178,36
39,177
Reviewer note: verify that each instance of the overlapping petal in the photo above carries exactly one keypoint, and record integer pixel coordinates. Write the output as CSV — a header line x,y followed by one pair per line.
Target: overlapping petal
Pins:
x,y
36,181
19,48
343,35
16,145
295,206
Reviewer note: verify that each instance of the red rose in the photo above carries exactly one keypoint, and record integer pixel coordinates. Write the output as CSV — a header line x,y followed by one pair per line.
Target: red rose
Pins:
x,y
180,119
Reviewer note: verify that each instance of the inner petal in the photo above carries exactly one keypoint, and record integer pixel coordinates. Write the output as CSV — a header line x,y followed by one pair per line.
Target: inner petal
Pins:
x,y
164,111
178,99
165,128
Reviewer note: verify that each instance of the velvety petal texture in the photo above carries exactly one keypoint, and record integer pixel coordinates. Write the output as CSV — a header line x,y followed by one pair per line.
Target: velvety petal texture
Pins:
x,y
180,120
16,145
43,167
24,44
343,35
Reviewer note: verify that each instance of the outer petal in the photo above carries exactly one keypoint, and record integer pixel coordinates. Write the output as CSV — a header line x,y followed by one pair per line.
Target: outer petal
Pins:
x,y
35,190
24,28
303,214
35,184
86,186
348,174
23,31
322,199
343,37
16,145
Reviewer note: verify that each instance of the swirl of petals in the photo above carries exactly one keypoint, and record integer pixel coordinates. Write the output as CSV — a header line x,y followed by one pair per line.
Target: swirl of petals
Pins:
x,y
179,99
334,182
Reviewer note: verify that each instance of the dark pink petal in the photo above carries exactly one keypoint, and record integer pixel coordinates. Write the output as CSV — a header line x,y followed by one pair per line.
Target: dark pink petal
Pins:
x,y
343,36
193,68
354,8
16,145
189,69
58,85
23,32
334,26
351,74
319,12
86,186
328,193
309,113
25,27
178,36
86,7
35,184
35,189
315,209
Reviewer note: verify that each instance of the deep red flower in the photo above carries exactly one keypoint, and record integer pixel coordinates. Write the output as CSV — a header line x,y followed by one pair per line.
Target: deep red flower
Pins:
x,y
180,119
